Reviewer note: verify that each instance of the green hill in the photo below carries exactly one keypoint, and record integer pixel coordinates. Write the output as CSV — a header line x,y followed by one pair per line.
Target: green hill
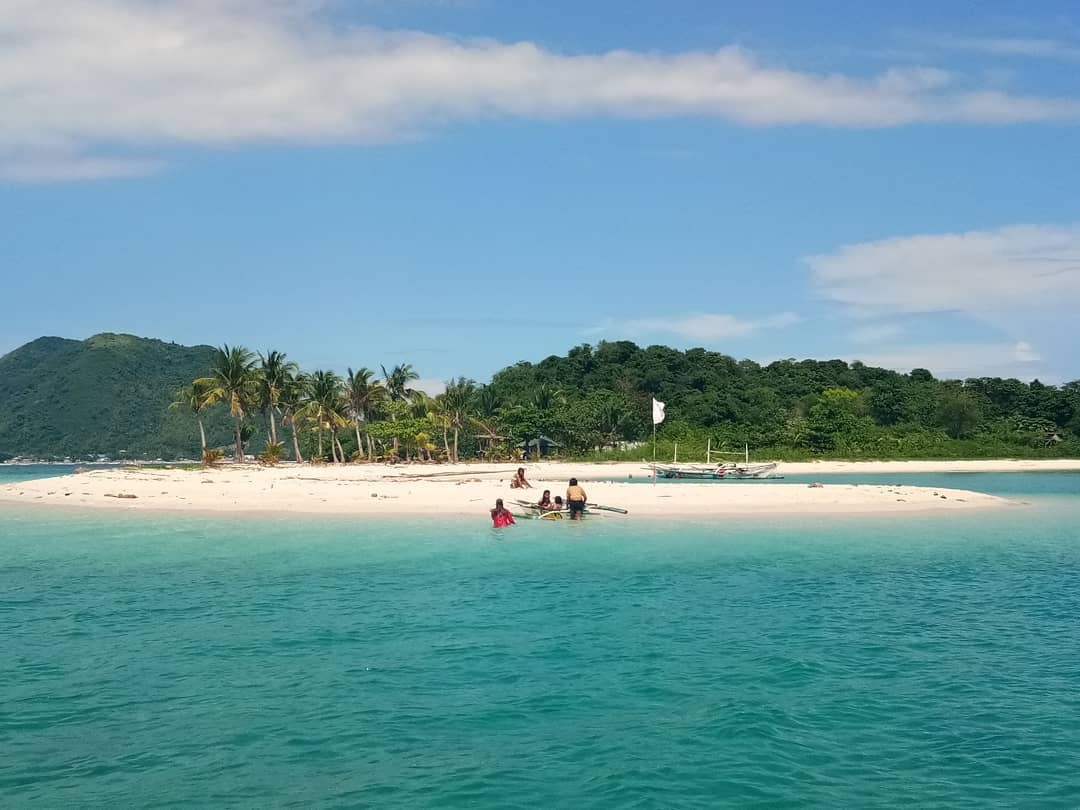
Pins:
x,y
109,395
106,395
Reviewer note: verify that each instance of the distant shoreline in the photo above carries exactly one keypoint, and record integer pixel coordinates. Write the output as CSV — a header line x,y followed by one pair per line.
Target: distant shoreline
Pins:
x,y
434,489
96,463
825,466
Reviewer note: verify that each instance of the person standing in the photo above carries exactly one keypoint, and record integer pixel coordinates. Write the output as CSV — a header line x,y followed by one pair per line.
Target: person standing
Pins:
x,y
499,516
575,500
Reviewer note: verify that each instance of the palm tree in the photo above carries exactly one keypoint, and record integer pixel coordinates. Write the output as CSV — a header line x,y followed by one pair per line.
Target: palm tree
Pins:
x,y
374,408
326,405
441,417
274,372
488,402
196,398
430,410
611,416
546,397
363,395
397,382
397,387
232,380
457,401
291,400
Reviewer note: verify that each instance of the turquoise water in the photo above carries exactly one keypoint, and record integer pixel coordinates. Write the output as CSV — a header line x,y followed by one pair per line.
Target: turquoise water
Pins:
x,y
927,661
1006,484
10,473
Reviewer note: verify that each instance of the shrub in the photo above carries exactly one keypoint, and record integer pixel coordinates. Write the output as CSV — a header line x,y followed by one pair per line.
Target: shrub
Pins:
x,y
272,454
212,458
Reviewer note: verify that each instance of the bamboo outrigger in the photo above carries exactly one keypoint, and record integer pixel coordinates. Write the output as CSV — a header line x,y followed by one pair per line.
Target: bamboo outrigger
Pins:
x,y
710,470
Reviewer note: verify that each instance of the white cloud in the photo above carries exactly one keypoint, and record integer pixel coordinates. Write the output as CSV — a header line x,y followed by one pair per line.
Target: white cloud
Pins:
x,y
703,326
429,386
45,166
1032,47
82,84
875,332
962,360
1016,271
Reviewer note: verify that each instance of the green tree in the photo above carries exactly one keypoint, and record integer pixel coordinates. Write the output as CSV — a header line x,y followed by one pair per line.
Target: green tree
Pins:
x,y
958,414
364,395
292,402
397,382
397,388
610,419
888,402
274,373
834,418
458,400
195,398
326,406
232,379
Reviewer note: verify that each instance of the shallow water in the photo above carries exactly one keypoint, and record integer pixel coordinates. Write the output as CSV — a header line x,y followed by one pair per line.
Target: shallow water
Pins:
x,y
992,483
930,660
11,473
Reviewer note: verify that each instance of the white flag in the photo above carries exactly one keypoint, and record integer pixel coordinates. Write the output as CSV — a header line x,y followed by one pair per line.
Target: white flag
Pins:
x,y
657,411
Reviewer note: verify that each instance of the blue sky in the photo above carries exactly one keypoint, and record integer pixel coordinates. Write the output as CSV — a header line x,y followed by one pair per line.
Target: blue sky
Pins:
x,y
462,184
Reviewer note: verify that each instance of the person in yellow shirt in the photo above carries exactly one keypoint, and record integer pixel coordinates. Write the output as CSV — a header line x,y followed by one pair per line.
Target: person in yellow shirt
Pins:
x,y
575,500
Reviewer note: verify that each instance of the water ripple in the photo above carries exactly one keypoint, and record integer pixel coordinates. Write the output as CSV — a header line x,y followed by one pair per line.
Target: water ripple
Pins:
x,y
163,665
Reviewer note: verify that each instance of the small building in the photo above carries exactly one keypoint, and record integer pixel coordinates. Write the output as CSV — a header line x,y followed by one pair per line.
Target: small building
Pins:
x,y
488,442
540,446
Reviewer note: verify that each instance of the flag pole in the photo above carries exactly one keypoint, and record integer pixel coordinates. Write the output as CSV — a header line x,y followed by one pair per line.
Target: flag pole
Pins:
x,y
654,452
657,418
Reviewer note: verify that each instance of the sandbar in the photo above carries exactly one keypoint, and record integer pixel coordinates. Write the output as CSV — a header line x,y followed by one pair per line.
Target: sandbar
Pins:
x,y
471,489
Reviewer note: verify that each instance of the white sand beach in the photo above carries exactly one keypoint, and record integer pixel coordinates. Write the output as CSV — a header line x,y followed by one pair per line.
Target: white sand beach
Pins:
x,y
472,489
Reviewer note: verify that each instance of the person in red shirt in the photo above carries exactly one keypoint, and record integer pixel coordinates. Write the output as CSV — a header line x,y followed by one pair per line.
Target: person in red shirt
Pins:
x,y
499,516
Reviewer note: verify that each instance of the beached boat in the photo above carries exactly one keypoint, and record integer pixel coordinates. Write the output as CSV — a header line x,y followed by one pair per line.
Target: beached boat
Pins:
x,y
713,471
729,471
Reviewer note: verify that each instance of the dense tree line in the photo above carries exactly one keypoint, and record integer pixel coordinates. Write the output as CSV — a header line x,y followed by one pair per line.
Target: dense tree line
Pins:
x,y
596,400
328,417
788,408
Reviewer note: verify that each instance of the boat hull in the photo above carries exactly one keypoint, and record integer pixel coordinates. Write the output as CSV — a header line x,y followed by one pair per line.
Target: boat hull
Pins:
x,y
721,473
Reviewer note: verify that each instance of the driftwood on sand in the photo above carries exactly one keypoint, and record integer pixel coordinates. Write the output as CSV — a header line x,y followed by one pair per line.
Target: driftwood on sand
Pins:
x,y
448,474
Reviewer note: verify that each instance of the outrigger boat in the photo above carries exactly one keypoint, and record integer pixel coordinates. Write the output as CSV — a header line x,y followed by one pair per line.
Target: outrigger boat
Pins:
x,y
728,470
536,513
560,514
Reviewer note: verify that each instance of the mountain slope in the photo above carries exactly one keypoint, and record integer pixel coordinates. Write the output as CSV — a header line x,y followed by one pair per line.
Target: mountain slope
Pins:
x,y
107,395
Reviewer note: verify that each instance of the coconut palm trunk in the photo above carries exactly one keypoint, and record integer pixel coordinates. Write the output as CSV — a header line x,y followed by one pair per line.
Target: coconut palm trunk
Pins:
x,y
455,444
273,427
202,433
446,444
359,441
295,443
238,455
